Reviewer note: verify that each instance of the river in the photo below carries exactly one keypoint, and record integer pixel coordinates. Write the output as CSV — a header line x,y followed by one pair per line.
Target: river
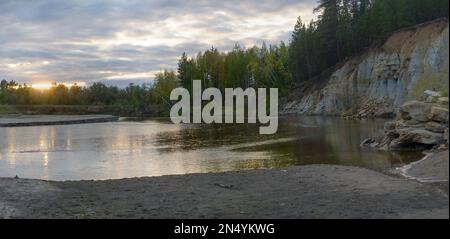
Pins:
x,y
155,147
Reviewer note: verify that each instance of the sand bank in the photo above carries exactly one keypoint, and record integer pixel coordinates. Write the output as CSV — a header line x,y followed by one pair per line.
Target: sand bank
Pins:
x,y
317,191
36,120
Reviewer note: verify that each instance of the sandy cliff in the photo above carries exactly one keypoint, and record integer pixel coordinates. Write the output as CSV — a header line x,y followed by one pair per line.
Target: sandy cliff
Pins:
x,y
380,80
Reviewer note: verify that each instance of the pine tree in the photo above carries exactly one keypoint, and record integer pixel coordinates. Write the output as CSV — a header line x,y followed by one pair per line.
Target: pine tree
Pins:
x,y
329,26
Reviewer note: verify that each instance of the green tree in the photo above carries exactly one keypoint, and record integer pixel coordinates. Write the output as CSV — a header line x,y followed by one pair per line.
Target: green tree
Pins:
x,y
163,85
329,18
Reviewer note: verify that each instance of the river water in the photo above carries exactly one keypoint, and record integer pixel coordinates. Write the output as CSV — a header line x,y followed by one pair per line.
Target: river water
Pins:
x,y
154,147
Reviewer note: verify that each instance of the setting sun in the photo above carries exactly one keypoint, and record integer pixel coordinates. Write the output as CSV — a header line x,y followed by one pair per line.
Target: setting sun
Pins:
x,y
42,86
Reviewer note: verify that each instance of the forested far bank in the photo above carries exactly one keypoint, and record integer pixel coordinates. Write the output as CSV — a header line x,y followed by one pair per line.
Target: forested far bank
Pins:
x,y
12,93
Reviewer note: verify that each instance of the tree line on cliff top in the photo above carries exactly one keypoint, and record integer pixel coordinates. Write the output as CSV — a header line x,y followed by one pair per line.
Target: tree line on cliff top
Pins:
x,y
343,28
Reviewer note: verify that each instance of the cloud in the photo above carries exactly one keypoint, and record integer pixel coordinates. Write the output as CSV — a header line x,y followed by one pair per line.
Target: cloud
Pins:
x,y
101,40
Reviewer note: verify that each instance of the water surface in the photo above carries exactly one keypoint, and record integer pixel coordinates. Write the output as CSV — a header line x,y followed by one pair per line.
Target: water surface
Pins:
x,y
154,147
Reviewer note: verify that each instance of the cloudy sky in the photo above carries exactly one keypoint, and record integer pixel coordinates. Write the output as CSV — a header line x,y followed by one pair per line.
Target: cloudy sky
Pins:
x,y
129,40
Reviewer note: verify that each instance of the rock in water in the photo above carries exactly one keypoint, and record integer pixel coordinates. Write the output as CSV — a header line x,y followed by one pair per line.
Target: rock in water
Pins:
x,y
420,126
367,142
418,136
415,110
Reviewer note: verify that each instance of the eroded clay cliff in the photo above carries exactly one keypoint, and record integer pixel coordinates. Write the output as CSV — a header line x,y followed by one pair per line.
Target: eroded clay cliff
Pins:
x,y
377,82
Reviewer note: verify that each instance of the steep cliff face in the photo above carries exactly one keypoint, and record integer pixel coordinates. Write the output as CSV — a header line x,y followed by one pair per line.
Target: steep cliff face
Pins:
x,y
379,81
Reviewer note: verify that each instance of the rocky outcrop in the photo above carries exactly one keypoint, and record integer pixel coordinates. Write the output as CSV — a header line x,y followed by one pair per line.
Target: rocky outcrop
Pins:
x,y
379,81
420,125
439,114
415,111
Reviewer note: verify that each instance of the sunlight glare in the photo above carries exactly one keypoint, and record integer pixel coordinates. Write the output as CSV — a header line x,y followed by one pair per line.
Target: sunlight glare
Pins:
x,y
47,86
42,86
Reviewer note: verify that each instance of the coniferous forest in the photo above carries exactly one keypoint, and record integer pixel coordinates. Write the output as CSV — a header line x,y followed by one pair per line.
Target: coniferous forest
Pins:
x,y
343,28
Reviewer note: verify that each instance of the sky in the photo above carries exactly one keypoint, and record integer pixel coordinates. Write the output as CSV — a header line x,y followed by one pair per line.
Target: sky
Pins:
x,y
122,41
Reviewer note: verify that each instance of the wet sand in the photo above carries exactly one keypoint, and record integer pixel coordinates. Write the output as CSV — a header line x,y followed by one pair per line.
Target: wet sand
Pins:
x,y
433,168
316,191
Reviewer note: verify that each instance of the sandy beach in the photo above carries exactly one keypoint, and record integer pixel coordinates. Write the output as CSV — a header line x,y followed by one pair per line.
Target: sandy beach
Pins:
x,y
433,168
316,191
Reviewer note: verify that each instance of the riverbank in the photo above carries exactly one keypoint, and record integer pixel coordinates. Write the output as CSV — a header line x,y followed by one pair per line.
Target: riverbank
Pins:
x,y
37,120
123,110
316,191
433,168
